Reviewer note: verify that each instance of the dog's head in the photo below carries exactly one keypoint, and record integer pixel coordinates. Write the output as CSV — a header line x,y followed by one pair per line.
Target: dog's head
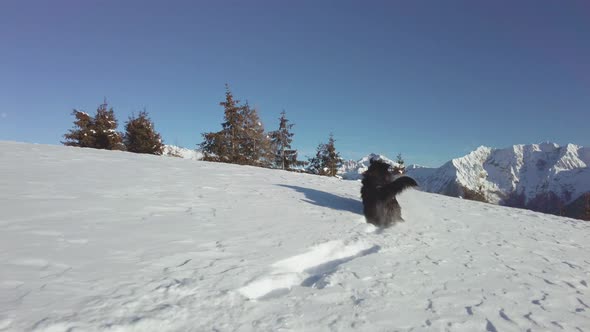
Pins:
x,y
379,172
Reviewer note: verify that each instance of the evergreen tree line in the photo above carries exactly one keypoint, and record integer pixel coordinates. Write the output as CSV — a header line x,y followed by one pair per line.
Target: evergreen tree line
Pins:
x,y
241,140
100,132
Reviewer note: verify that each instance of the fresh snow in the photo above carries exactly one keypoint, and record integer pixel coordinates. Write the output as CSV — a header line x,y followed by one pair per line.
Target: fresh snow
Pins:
x,y
97,240
353,170
176,151
527,170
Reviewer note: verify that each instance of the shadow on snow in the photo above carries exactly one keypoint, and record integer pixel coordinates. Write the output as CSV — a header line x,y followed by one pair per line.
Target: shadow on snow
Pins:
x,y
325,199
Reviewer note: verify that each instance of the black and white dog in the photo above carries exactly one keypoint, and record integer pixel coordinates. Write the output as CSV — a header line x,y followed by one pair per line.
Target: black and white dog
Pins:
x,y
380,186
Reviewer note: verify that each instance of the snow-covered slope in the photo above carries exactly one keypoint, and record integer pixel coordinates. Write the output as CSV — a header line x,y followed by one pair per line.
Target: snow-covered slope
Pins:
x,y
97,240
180,152
353,170
544,177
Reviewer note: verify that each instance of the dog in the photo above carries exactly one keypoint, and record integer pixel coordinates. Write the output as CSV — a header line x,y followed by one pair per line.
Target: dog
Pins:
x,y
378,191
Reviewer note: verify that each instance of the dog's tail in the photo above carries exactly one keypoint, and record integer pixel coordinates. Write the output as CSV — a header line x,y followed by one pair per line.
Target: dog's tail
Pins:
x,y
398,185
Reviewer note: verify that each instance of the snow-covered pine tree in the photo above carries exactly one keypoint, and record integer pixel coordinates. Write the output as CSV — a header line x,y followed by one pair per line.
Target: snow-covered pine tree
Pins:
x,y
224,146
284,156
140,135
105,129
232,126
401,168
327,160
242,139
214,147
81,135
255,145
333,159
316,163
99,132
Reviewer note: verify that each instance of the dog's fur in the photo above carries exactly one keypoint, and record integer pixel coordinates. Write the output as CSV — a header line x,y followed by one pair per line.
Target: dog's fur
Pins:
x,y
378,193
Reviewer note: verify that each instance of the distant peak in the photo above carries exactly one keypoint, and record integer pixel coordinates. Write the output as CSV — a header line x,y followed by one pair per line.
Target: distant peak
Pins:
x,y
548,146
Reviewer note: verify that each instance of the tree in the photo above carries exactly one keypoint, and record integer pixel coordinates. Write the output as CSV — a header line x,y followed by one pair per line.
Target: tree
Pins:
x,y
284,156
99,132
242,139
333,160
214,147
255,145
316,163
223,146
81,135
140,135
105,129
327,160
232,126
401,167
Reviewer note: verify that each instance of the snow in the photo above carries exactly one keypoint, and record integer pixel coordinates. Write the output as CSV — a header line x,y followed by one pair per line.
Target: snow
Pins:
x,y
176,151
530,170
306,269
96,240
353,170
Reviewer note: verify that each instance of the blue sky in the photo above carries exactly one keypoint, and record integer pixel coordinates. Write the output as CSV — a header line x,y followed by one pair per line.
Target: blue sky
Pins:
x,y
430,79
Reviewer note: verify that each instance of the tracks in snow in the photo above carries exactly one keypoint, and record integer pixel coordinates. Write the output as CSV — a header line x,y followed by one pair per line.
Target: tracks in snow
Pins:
x,y
311,269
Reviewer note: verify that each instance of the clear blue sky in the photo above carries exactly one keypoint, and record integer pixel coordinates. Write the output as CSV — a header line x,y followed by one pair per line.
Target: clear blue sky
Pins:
x,y
430,79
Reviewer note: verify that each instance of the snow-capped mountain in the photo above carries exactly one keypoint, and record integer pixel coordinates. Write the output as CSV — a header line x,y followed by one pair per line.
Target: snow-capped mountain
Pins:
x,y
543,177
180,152
353,170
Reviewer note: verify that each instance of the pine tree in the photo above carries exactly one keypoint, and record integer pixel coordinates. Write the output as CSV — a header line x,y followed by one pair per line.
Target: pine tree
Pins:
x,y
284,157
316,163
399,159
333,159
255,147
401,168
214,147
326,160
232,126
81,135
242,139
105,129
224,146
140,135
99,132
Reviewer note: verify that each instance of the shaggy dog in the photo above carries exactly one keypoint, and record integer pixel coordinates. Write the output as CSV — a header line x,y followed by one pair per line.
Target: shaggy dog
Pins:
x,y
378,193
